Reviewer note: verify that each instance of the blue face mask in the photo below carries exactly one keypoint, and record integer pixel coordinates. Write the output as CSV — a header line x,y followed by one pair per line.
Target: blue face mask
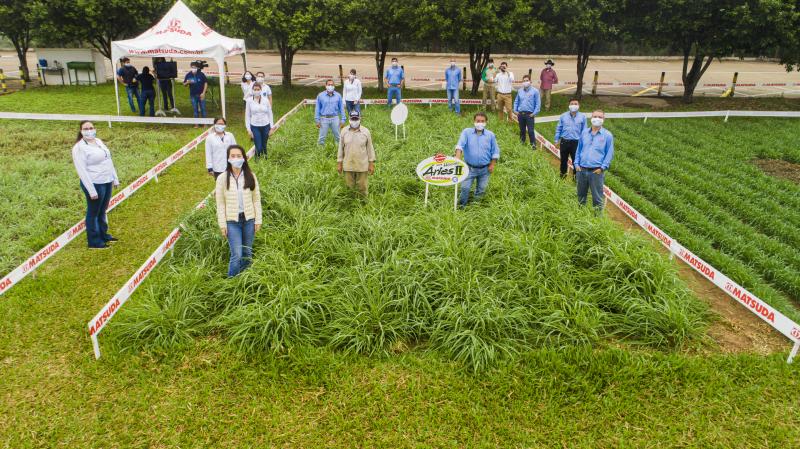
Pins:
x,y
236,163
89,133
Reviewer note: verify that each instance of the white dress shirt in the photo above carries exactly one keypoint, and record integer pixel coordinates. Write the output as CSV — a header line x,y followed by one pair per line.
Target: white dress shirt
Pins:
x,y
246,87
217,151
257,113
93,164
504,82
352,91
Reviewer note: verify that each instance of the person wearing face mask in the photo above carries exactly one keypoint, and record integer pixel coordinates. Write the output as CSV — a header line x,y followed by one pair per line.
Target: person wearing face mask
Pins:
x,y
487,75
568,130
258,120
247,84
504,83
147,81
356,155
526,106
394,78
352,92
127,76
266,91
92,161
239,216
452,77
592,159
217,144
329,107
198,84
477,147
547,78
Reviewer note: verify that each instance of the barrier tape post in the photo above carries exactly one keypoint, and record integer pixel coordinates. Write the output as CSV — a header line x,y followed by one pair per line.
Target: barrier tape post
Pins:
x,y
733,84
3,85
793,353
594,82
661,83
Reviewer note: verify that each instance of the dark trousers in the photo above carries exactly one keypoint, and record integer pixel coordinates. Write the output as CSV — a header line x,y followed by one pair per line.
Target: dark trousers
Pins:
x,y
166,93
260,138
590,181
96,222
568,148
147,95
526,122
352,106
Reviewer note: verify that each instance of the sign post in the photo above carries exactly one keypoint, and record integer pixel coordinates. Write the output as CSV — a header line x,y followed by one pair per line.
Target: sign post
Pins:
x,y
443,171
399,116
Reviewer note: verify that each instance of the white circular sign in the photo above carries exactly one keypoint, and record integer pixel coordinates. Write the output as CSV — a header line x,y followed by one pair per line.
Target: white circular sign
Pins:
x,y
399,114
442,170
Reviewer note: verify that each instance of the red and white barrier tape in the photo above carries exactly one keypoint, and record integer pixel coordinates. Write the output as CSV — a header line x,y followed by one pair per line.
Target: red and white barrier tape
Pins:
x,y
70,234
107,118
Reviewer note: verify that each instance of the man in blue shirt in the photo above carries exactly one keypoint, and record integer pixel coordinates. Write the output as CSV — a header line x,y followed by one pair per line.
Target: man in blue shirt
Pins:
x,y
127,76
477,147
568,131
327,113
526,106
394,78
198,85
592,159
452,77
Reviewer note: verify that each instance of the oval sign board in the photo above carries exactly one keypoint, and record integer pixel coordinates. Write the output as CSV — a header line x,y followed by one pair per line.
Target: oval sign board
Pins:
x,y
399,114
442,170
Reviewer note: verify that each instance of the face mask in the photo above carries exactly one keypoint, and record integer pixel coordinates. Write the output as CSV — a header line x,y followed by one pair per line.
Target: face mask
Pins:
x,y
219,128
256,93
352,77
452,64
394,64
491,65
502,69
236,163
480,126
194,69
259,79
88,133
597,122
248,77
573,108
549,66
526,84
329,88
355,123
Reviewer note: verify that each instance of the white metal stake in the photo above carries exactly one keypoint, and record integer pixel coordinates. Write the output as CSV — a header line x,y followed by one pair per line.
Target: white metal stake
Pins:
x,y
426,193
645,119
96,346
455,197
156,177
793,353
395,132
726,116
404,131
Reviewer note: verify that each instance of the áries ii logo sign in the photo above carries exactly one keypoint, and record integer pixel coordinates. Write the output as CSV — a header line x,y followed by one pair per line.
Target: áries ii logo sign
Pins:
x,y
442,170
174,26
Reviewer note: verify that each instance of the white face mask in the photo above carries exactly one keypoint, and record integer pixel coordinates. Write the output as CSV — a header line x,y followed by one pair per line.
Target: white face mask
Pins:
x,y
452,64
491,65
128,64
88,133
236,163
549,66
597,122
526,84
194,69
256,93
355,123
480,126
329,88
352,77
248,76
394,64
220,128
573,108
259,79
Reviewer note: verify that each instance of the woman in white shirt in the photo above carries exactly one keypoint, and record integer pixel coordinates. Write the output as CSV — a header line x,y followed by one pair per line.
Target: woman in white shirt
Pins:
x,y
352,93
98,176
217,144
247,84
265,89
258,119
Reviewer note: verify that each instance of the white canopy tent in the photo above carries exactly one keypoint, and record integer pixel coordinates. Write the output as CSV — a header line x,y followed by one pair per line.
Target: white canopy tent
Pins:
x,y
180,34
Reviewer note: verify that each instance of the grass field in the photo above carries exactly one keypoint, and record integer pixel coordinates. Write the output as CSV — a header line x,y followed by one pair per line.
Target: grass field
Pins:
x,y
206,394
696,179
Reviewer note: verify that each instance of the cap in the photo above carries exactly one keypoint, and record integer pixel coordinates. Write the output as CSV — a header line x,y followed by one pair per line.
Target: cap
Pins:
x,y
354,114
550,61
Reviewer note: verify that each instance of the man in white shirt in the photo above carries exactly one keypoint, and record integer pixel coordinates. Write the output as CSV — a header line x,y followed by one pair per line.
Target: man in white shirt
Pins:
x,y
352,93
503,83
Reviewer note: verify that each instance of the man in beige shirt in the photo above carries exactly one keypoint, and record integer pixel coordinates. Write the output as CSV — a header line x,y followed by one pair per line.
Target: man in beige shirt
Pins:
x,y
356,156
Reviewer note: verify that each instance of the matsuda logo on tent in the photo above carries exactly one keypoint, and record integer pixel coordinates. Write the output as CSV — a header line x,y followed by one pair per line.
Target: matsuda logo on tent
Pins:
x,y
442,170
174,26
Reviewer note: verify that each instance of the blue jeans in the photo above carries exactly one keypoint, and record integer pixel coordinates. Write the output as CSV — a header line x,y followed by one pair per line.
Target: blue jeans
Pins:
x,y
482,174
393,92
240,241
260,137
325,124
198,106
453,102
352,106
586,181
147,95
526,122
133,92
96,221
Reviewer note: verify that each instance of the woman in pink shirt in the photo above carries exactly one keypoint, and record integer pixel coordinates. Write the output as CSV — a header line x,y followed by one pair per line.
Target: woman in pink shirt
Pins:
x,y
547,79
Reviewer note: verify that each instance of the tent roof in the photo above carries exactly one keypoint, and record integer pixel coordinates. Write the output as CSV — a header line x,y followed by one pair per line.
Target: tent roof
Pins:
x,y
179,34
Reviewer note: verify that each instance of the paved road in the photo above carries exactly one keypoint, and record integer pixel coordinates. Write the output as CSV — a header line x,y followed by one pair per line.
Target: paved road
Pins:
x,y
619,76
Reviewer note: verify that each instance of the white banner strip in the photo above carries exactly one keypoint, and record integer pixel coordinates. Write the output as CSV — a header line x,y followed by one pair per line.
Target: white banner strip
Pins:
x,y
107,118
70,234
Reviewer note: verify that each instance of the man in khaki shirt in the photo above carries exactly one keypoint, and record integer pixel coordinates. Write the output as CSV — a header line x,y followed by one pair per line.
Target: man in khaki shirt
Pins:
x,y
356,156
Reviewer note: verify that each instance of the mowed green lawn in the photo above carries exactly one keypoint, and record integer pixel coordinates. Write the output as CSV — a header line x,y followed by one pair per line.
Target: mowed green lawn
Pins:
x,y
54,394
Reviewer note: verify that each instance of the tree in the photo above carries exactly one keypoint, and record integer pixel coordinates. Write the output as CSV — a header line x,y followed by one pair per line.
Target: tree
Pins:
x,y
19,20
585,23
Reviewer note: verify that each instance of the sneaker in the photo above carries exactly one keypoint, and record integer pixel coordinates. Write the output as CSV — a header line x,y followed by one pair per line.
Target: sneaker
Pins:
x,y
99,247
112,240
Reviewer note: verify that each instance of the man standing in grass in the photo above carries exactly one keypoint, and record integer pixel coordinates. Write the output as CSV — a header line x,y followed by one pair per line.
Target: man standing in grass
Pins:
x,y
327,111
569,129
452,77
477,146
505,85
526,106
198,85
127,76
488,74
356,156
547,78
592,159
394,78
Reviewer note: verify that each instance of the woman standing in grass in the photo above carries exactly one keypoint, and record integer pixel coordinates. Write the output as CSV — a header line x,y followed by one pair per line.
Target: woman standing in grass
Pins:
x,y
247,84
258,119
98,176
217,144
238,209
